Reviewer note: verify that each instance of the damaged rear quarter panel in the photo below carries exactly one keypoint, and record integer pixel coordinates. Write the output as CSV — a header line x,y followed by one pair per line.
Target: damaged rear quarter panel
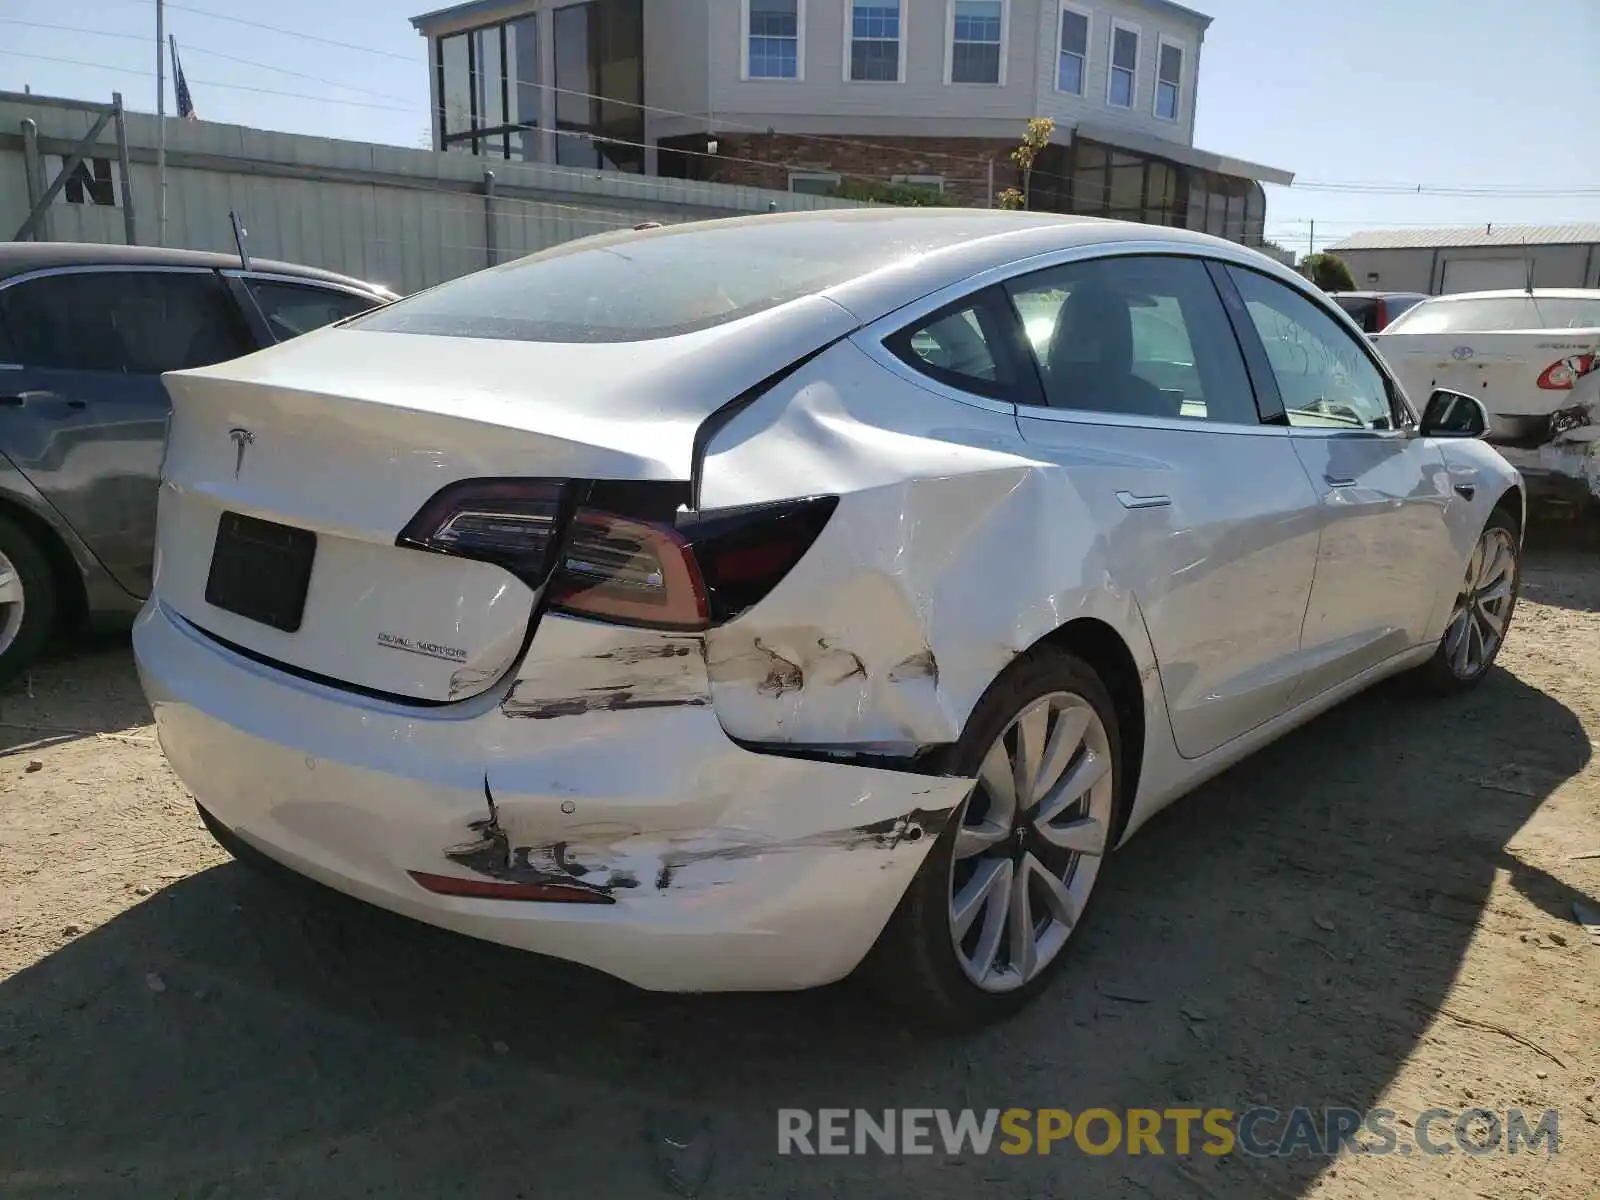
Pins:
x,y
952,551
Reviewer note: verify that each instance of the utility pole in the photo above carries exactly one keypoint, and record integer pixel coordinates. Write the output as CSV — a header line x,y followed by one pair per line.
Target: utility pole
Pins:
x,y
1311,239
161,123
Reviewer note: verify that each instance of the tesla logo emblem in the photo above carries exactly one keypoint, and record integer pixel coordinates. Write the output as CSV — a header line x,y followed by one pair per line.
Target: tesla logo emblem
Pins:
x,y
241,439
1461,353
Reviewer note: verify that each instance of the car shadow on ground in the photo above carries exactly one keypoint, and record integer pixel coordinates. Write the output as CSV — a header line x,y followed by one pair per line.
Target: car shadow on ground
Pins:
x,y
1281,937
82,687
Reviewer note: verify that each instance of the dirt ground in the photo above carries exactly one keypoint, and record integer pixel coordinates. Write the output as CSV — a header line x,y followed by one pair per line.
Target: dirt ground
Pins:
x,y
1374,912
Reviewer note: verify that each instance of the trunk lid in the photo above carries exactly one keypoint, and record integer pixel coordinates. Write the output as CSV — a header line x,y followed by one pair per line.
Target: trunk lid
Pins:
x,y
1502,369
344,436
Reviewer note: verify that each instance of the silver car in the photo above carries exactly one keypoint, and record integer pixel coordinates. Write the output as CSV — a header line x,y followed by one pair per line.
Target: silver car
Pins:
x,y
85,334
731,605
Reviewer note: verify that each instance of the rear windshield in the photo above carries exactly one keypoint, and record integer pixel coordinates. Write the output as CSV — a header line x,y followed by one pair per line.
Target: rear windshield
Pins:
x,y
1499,314
1363,309
633,287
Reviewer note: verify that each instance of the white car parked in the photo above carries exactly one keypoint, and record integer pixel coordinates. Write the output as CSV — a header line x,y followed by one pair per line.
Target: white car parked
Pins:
x,y
1533,358
728,604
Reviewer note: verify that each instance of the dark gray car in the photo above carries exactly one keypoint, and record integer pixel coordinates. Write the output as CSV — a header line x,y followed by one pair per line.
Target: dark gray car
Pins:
x,y
85,334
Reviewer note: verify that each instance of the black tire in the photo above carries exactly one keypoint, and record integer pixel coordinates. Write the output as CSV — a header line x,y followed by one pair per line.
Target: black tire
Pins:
x,y
913,965
39,599
1437,675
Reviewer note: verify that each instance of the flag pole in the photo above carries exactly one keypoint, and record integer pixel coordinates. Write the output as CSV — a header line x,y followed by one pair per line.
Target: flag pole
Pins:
x,y
161,124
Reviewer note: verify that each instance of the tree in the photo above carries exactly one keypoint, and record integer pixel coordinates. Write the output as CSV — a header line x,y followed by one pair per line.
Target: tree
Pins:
x,y
1328,272
1034,140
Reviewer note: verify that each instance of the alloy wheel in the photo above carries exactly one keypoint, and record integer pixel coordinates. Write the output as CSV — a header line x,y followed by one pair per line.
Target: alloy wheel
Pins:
x,y
12,603
1478,623
1032,838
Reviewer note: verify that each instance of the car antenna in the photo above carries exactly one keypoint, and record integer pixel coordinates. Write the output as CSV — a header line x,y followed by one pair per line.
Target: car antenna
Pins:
x,y
239,235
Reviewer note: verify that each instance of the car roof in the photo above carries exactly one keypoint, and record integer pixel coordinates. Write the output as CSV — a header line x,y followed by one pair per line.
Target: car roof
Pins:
x,y
963,242
1537,294
1378,295
20,258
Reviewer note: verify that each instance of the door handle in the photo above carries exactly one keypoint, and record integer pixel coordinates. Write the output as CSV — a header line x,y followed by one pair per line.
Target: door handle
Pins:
x,y
1339,481
1129,500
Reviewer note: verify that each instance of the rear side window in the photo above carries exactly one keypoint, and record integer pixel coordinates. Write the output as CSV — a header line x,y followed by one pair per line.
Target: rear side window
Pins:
x,y
1142,336
634,287
968,345
1499,314
293,308
122,322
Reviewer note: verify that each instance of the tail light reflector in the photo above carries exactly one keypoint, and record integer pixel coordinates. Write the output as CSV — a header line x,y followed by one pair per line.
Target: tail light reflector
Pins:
x,y
1561,375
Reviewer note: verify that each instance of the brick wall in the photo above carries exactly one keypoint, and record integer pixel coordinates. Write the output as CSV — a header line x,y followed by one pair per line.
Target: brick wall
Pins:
x,y
961,161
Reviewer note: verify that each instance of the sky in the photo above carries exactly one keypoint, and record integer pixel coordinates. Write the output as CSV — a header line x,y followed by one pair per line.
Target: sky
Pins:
x,y
1495,105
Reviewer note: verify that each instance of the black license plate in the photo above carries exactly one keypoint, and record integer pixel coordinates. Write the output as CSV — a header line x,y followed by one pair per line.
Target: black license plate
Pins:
x,y
261,570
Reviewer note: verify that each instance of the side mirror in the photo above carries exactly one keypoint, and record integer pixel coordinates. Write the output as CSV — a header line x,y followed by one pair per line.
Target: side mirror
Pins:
x,y
1454,415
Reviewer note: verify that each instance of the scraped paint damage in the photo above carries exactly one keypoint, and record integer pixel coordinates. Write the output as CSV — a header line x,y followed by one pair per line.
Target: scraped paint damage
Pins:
x,y
617,863
667,672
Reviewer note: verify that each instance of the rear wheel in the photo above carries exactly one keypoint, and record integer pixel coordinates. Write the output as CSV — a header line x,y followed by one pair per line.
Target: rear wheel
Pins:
x,y
1482,614
27,599
986,921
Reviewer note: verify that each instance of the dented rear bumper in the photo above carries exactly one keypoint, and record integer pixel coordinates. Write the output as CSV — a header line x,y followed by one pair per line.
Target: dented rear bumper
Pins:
x,y
602,764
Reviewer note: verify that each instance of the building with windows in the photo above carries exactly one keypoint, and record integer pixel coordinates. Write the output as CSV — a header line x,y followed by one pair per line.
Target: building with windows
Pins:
x,y
815,95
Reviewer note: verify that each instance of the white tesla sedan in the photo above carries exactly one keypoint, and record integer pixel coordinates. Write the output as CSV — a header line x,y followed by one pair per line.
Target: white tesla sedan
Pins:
x,y
729,605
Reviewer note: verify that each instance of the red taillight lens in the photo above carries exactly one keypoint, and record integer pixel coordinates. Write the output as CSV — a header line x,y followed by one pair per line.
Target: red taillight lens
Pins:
x,y
635,572
1561,375
697,571
509,522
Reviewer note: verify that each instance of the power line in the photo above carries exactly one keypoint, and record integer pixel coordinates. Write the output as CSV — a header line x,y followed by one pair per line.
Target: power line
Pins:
x,y
216,83
309,37
193,49
1509,191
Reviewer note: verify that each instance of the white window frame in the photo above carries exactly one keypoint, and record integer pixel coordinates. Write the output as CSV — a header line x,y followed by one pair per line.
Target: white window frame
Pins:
x,y
1111,62
935,182
1088,48
849,37
833,178
950,46
1183,69
799,47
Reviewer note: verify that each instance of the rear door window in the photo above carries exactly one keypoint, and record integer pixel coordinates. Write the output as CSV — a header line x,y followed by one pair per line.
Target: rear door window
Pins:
x,y
122,322
1137,335
292,309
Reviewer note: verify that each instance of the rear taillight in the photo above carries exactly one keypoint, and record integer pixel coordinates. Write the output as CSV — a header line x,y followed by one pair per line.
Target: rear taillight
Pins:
x,y
692,572
632,572
1561,375
509,522
629,552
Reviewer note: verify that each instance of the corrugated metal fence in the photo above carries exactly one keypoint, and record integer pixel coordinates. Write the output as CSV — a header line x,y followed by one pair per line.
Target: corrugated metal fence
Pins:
x,y
405,218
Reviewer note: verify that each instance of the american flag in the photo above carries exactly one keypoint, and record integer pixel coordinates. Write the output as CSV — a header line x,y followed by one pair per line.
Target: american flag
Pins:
x,y
181,86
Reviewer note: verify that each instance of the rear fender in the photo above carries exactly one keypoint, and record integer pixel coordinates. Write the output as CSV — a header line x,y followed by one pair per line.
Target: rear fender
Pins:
x,y
952,552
